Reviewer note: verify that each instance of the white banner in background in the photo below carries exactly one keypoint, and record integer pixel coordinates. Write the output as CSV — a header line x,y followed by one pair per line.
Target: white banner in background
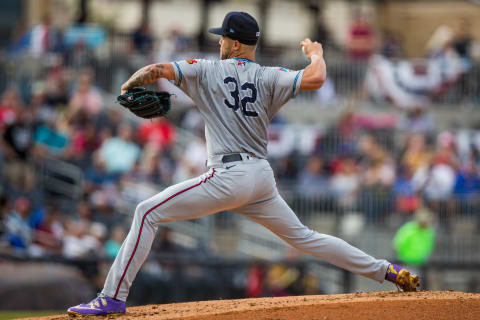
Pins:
x,y
410,83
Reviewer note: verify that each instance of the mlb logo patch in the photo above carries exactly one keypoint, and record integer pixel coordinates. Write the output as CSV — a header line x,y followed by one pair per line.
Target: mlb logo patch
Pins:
x,y
191,61
241,63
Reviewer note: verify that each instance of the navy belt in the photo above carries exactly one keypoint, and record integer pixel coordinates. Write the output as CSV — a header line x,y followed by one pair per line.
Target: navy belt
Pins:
x,y
232,158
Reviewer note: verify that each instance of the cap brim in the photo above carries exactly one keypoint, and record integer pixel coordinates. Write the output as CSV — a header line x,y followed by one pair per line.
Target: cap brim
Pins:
x,y
218,31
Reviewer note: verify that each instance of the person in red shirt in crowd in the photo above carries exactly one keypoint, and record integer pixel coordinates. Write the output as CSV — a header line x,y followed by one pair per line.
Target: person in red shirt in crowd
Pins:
x,y
158,133
9,105
446,150
85,141
255,276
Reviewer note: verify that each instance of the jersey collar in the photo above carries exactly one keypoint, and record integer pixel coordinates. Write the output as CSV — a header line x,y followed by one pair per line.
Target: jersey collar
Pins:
x,y
243,59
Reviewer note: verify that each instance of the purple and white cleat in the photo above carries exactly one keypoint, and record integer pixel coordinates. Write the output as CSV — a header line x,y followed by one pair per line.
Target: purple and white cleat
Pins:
x,y
402,278
101,305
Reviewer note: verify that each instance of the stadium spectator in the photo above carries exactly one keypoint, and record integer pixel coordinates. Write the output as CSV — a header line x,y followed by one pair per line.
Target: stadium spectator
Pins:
x,y
418,120
105,204
83,212
40,108
80,55
254,287
416,155
415,240
463,43
175,43
159,166
379,171
407,199
436,182
142,39
312,180
17,229
345,182
19,135
137,175
84,142
4,212
10,103
57,83
160,133
79,242
113,244
50,139
286,169
48,233
280,279
99,232
85,99
446,152
43,38
467,183
97,175
164,243
120,153
377,181
18,150
192,160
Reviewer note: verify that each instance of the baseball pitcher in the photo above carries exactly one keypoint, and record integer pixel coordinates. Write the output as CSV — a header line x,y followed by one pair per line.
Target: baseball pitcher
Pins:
x,y
237,98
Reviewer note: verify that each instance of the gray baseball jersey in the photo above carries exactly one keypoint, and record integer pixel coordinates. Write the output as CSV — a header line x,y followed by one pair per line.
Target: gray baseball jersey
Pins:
x,y
237,98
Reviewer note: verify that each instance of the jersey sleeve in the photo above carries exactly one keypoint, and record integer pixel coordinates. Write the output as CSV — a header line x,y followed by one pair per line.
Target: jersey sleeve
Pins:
x,y
189,73
285,85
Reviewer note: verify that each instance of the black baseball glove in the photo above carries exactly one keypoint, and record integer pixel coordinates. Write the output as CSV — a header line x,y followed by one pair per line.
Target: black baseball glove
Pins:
x,y
146,103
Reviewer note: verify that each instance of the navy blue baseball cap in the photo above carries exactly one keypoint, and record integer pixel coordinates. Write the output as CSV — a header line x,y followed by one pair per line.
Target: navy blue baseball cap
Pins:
x,y
239,26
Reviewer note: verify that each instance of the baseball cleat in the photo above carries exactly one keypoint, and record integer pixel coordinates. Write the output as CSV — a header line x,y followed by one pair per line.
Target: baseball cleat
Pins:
x,y
101,305
402,278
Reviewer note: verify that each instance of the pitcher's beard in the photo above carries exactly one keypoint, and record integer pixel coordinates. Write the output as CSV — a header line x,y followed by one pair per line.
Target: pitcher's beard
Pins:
x,y
224,55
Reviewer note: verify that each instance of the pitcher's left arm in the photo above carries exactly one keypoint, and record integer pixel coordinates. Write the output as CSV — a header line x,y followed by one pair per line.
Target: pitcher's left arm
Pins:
x,y
149,74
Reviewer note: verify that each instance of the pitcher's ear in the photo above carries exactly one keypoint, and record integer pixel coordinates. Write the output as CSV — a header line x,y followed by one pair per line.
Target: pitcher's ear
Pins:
x,y
236,44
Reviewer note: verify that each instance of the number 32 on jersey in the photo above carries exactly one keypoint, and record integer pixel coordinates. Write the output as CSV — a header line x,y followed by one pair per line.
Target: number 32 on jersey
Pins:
x,y
250,92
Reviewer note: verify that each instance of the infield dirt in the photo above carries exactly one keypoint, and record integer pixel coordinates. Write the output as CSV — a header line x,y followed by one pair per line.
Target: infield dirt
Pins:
x,y
382,305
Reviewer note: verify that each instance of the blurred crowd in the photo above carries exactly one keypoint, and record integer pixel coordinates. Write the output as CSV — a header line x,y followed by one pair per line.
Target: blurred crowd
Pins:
x,y
56,121
380,165
65,121
71,166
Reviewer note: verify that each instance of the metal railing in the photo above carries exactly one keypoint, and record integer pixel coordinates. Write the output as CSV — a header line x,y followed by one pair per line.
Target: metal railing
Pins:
x,y
61,178
346,78
456,237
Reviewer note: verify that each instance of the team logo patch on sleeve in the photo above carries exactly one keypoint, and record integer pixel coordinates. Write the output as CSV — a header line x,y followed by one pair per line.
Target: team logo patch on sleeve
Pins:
x,y
191,61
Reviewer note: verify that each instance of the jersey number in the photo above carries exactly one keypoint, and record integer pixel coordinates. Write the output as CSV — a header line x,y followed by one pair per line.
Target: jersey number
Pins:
x,y
247,99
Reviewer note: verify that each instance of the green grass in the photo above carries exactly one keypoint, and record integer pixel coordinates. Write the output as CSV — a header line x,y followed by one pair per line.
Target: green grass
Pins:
x,y
4,315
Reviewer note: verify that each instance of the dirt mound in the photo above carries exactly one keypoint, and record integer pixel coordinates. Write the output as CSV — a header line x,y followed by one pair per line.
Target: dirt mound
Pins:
x,y
360,306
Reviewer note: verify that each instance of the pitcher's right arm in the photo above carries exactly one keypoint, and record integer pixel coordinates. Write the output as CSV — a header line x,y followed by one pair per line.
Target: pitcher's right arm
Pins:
x,y
315,73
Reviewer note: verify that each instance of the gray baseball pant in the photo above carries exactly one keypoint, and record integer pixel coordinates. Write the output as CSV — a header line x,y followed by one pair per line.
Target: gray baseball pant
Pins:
x,y
247,188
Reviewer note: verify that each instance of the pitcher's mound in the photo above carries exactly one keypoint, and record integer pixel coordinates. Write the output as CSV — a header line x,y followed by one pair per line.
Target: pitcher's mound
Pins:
x,y
360,306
